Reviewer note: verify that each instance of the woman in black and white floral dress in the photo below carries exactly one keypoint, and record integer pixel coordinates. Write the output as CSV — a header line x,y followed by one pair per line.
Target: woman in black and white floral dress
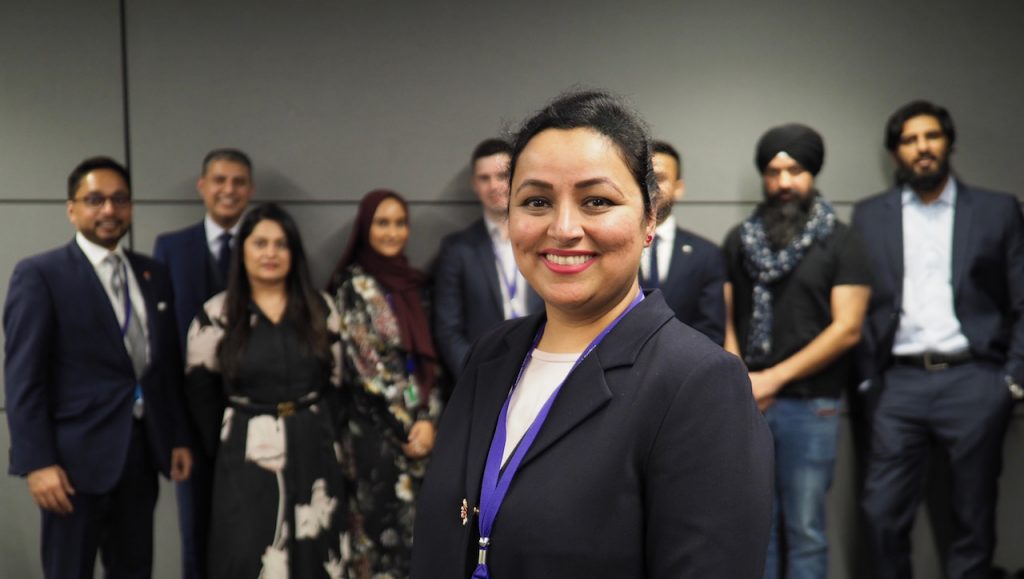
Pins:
x,y
263,385
390,370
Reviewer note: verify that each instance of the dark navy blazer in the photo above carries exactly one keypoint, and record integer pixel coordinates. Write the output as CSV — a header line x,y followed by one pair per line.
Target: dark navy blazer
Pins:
x,y
988,276
467,294
187,255
654,462
68,376
693,286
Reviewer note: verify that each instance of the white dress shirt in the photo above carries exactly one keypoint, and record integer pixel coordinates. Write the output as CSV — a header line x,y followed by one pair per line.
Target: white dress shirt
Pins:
x,y
666,234
508,271
928,321
214,231
97,256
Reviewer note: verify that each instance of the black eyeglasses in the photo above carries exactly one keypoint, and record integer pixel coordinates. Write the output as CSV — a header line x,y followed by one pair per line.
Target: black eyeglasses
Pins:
x,y
95,200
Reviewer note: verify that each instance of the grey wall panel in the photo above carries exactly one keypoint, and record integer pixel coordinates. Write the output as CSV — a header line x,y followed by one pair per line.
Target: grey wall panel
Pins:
x,y
337,98
60,69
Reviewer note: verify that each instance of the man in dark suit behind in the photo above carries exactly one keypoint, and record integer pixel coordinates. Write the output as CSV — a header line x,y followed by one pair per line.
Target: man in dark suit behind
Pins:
x,y
93,381
943,347
688,269
477,284
198,257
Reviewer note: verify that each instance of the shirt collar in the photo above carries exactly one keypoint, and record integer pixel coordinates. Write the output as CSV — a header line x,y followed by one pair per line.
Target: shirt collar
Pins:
x,y
94,252
214,231
667,227
493,228
947,197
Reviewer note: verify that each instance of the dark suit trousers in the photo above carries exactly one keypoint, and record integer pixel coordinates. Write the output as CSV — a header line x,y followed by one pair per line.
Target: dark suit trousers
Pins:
x,y
118,524
965,410
194,505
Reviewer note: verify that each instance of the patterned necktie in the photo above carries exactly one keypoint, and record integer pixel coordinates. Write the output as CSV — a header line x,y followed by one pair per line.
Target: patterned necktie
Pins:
x,y
653,279
134,337
224,257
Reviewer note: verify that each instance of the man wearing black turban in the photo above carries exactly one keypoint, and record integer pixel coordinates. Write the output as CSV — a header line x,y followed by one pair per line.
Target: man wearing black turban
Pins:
x,y
798,280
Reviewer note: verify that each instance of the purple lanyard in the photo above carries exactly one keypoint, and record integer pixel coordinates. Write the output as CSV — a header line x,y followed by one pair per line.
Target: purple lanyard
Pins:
x,y
510,286
496,481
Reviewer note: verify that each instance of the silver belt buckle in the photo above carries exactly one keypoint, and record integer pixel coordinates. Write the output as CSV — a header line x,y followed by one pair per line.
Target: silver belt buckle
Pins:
x,y
933,366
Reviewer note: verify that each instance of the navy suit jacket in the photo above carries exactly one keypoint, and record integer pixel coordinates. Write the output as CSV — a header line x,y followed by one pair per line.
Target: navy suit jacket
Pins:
x,y
187,256
467,293
654,462
68,376
693,286
988,276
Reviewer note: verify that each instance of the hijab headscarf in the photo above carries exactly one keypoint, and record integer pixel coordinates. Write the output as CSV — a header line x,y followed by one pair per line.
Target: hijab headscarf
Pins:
x,y
400,280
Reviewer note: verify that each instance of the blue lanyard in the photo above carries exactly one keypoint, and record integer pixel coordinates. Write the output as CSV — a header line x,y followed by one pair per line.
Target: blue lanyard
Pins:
x,y
497,481
137,396
510,286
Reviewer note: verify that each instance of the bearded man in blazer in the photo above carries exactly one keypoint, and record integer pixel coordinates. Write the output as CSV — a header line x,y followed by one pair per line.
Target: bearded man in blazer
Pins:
x,y
477,284
93,382
197,257
943,348
689,269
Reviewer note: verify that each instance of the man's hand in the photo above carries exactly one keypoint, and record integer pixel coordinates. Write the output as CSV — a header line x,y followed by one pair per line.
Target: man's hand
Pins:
x,y
181,463
51,489
421,439
764,385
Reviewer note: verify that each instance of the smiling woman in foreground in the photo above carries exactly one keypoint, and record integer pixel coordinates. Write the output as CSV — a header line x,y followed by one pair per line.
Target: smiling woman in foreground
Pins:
x,y
602,438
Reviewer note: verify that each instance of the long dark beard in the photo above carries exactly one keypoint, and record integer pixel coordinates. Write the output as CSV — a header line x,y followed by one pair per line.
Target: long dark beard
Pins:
x,y
784,220
925,182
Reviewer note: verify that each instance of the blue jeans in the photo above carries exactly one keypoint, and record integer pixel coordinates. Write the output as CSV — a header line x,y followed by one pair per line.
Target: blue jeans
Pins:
x,y
806,432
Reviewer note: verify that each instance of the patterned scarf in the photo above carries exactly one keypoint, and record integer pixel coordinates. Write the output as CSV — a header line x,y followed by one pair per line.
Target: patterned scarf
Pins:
x,y
766,266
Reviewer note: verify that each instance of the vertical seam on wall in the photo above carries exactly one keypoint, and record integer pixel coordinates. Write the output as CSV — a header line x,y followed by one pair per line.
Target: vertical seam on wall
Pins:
x,y
124,105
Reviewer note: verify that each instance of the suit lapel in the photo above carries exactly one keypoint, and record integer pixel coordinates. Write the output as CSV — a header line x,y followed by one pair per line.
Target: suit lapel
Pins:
x,y
677,266
962,218
202,285
494,379
96,294
893,228
488,264
584,393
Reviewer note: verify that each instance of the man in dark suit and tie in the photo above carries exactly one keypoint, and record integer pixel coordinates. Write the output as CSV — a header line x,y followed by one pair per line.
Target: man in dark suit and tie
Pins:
x,y
943,349
93,381
688,269
198,258
477,284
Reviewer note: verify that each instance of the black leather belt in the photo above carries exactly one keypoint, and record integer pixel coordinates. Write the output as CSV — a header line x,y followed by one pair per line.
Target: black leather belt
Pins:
x,y
934,361
282,409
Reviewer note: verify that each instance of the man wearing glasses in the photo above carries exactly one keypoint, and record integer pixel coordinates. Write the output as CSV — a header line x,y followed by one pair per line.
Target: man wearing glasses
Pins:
x,y
92,374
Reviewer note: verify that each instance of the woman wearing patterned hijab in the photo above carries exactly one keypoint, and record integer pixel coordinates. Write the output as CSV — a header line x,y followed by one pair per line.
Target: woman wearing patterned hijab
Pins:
x,y
390,370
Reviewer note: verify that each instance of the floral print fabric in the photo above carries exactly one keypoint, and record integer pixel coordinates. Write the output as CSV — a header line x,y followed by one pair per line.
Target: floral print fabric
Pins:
x,y
279,500
384,406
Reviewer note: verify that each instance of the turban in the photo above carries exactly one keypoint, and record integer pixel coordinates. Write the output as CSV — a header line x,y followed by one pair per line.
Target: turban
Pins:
x,y
802,143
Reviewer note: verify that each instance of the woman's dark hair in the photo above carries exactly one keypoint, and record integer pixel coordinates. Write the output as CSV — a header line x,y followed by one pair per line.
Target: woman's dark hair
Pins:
x,y
305,312
894,126
608,116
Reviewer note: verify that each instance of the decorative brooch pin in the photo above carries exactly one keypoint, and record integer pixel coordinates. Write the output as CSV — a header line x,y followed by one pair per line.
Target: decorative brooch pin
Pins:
x,y
464,512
